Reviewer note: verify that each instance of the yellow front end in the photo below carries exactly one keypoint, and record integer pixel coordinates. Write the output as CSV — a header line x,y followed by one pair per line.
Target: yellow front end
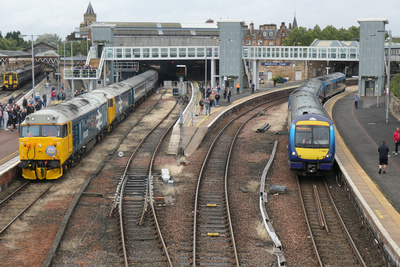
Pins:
x,y
312,153
43,157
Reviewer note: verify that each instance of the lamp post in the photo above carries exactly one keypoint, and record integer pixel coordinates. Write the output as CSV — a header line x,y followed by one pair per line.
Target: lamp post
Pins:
x,y
72,69
388,76
205,67
33,62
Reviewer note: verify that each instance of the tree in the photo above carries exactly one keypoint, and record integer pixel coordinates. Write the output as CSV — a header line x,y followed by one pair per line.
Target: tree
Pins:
x,y
303,37
48,38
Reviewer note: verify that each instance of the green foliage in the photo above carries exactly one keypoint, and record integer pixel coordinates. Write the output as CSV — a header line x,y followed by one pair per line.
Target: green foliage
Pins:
x,y
51,39
395,85
304,37
279,79
78,48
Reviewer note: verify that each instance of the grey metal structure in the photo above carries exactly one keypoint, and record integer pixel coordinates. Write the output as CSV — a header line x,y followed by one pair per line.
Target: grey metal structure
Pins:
x,y
231,68
372,59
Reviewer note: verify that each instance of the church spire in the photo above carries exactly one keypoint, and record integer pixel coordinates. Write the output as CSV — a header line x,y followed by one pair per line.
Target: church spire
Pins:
x,y
294,24
89,9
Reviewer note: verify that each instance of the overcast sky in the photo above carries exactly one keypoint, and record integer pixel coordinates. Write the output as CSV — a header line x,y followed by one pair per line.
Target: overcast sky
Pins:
x,y
62,17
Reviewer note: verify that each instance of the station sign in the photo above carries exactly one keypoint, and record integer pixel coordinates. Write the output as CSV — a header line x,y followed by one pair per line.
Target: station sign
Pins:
x,y
275,63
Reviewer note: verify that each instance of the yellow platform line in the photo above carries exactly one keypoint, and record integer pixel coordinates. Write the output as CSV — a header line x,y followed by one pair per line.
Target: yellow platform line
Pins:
x,y
364,176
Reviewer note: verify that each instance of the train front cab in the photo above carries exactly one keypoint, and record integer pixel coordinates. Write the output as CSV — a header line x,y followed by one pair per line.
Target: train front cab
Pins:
x,y
10,80
311,147
44,149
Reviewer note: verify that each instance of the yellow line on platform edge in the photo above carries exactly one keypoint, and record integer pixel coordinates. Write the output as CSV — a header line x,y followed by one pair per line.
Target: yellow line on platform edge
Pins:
x,y
364,176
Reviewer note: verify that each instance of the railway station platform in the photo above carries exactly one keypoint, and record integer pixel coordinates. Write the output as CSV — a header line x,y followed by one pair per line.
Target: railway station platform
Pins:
x,y
359,133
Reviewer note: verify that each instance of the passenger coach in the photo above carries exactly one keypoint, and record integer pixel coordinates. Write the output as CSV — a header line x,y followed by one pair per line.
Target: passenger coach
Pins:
x,y
311,145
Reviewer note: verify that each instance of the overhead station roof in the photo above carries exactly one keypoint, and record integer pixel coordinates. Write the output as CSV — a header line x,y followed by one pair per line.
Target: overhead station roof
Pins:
x,y
10,53
161,25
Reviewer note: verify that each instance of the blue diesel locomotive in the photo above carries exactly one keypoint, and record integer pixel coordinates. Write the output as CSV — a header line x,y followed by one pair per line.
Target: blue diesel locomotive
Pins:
x,y
311,145
56,137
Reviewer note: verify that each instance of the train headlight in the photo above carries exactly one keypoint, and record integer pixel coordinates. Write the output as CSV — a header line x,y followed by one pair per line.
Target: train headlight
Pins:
x,y
329,155
294,153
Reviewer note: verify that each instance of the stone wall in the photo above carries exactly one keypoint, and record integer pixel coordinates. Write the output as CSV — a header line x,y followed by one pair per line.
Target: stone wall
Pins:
x,y
394,106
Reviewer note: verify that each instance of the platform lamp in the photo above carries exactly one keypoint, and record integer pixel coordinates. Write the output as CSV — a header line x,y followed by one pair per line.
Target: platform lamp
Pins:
x,y
33,61
205,67
388,76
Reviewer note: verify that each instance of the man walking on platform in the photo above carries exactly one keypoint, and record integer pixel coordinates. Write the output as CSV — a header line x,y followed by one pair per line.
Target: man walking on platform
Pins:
x,y
396,139
356,98
383,157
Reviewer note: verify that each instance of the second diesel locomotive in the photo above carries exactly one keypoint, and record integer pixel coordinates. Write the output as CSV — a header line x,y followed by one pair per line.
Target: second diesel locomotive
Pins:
x,y
311,145
56,137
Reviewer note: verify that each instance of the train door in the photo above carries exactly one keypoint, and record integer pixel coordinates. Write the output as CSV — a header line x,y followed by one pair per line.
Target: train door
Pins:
x,y
110,111
69,127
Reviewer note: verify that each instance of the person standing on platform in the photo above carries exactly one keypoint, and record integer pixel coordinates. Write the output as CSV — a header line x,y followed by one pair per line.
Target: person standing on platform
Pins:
x,y
225,94
383,157
252,88
396,139
207,103
217,97
228,95
201,104
237,88
356,98
274,82
212,100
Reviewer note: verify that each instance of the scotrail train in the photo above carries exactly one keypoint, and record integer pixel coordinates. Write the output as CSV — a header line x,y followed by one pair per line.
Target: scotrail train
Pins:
x,y
56,137
16,78
311,145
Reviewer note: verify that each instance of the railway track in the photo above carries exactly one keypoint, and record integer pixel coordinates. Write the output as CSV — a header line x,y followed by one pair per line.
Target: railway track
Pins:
x,y
19,201
213,236
332,243
141,237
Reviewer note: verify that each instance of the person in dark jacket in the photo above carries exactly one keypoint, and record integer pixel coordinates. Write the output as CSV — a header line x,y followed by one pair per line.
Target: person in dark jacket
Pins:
x,y
24,103
383,157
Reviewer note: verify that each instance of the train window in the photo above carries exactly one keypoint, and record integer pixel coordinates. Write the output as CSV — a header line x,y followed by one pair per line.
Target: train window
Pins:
x,y
51,130
29,131
64,132
312,136
110,103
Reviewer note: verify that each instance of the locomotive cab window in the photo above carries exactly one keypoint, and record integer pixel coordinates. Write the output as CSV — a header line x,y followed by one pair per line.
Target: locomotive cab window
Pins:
x,y
51,130
29,131
312,136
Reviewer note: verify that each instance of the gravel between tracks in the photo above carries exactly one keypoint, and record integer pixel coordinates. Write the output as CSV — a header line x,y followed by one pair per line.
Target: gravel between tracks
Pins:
x,y
91,238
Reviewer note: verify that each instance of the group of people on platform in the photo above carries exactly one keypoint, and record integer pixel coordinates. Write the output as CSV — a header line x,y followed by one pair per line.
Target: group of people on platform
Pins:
x,y
210,98
11,114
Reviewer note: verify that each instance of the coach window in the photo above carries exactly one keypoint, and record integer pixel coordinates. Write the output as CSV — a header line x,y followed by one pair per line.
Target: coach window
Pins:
x,y
110,103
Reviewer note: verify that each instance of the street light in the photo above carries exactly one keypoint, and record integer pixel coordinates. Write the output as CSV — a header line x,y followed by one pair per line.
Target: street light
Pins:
x,y
72,69
33,61
388,76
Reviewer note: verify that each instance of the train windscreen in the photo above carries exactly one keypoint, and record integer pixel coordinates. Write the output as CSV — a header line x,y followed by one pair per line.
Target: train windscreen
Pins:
x,y
312,136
